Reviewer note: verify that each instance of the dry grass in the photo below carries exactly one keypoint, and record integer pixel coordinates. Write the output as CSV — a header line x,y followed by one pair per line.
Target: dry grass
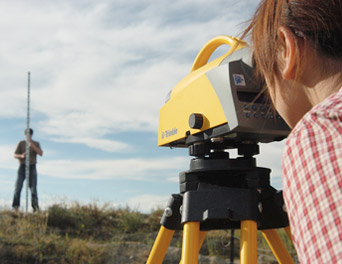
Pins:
x,y
97,234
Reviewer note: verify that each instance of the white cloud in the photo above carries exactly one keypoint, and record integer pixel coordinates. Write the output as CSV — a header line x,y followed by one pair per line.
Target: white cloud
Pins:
x,y
270,157
7,161
46,201
146,203
143,203
173,179
103,67
98,143
128,169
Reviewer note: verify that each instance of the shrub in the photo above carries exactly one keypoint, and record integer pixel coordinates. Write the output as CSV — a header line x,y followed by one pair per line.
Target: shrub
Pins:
x,y
130,221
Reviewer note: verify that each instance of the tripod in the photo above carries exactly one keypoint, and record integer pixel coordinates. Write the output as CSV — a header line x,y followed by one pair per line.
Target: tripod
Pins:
x,y
222,193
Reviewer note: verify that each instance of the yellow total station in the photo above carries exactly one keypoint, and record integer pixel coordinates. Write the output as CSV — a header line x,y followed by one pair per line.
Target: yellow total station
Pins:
x,y
218,98
220,105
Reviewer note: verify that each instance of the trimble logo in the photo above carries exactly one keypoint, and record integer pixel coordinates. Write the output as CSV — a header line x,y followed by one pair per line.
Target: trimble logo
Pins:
x,y
169,133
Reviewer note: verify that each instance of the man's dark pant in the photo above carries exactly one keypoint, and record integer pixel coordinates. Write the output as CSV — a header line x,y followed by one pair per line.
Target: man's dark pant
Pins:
x,y
32,186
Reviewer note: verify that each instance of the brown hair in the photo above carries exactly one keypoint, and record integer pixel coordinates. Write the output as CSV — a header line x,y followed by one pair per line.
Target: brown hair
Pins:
x,y
314,22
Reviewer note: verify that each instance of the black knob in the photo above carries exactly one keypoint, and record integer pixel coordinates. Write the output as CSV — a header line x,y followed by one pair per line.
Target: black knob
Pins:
x,y
196,121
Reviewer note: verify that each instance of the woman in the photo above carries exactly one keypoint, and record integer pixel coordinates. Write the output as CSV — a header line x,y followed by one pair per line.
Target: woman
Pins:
x,y
298,51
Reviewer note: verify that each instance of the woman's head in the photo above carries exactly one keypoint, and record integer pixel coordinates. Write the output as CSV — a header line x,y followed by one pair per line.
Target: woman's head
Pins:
x,y
313,25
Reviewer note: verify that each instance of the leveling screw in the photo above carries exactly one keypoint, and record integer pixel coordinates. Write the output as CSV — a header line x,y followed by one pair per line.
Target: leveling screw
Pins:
x,y
168,212
260,207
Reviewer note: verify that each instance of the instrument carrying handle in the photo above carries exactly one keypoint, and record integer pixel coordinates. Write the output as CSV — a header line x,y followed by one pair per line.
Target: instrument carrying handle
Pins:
x,y
209,48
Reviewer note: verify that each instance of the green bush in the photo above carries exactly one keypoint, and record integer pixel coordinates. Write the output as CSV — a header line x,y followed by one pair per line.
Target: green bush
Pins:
x,y
130,221
61,217
84,221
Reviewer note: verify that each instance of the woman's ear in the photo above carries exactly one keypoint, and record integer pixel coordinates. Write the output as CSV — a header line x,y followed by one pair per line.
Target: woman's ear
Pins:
x,y
288,53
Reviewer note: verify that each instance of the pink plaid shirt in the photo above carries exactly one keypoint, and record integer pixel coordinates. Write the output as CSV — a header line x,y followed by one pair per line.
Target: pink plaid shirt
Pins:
x,y
312,183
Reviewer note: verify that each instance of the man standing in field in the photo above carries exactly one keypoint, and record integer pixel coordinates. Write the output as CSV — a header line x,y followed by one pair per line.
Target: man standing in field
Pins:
x,y
20,155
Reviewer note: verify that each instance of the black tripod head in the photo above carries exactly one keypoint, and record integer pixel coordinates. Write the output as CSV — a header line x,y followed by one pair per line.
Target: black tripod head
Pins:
x,y
217,147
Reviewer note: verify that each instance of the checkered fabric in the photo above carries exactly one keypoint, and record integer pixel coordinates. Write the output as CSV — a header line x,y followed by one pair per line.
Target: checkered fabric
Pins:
x,y
312,183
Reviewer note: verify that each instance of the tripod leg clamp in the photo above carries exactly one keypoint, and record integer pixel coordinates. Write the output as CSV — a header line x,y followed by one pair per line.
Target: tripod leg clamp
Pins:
x,y
171,218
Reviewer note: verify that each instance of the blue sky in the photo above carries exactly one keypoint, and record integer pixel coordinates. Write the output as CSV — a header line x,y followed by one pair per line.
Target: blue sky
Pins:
x,y
100,72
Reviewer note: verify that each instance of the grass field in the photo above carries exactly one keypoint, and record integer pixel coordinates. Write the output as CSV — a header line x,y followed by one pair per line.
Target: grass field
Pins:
x,y
93,234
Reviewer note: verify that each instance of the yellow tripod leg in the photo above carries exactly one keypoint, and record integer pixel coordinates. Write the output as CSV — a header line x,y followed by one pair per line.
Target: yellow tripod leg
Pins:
x,y
191,240
248,242
160,246
201,240
277,246
288,232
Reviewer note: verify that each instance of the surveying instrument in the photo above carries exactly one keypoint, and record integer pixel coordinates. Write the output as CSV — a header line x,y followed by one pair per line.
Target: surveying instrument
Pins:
x,y
219,106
